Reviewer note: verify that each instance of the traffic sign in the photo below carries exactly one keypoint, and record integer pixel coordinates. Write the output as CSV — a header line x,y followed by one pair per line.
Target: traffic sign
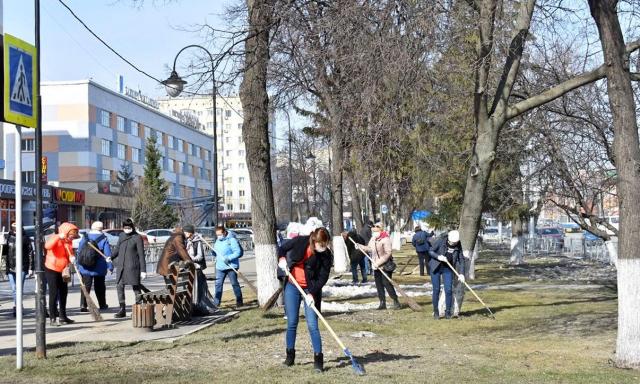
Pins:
x,y
19,91
384,209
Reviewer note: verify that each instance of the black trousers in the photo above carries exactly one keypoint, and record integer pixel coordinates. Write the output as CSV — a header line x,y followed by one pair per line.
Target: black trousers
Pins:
x,y
423,259
100,289
120,289
58,291
382,283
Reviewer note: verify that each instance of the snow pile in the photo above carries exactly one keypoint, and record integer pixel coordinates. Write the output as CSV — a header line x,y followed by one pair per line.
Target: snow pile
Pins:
x,y
332,306
344,289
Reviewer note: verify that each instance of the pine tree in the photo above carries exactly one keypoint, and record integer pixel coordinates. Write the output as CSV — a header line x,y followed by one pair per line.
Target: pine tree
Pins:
x,y
125,178
150,208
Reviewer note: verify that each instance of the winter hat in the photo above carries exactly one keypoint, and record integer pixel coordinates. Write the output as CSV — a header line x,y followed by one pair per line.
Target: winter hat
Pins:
x,y
293,229
128,223
453,237
310,226
189,228
97,226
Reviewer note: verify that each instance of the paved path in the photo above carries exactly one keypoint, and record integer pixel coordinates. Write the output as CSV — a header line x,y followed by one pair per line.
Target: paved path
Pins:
x,y
110,329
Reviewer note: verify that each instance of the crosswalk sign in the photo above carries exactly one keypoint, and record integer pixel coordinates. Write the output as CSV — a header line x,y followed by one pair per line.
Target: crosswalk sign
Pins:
x,y
20,82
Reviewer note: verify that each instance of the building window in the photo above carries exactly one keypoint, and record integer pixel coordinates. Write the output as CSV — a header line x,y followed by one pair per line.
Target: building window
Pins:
x,y
241,152
122,150
147,132
227,128
228,180
176,190
241,193
135,129
240,140
202,173
229,207
240,165
241,180
135,155
185,169
207,155
210,125
227,139
229,193
243,207
105,118
227,153
28,145
106,175
171,165
106,147
29,177
227,113
120,123
210,112
240,127
180,145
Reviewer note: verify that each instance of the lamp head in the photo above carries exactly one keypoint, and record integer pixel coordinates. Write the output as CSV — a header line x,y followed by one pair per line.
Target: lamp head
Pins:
x,y
174,84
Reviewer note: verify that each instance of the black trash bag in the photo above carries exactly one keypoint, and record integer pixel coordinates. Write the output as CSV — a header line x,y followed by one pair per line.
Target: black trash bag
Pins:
x,y
202,300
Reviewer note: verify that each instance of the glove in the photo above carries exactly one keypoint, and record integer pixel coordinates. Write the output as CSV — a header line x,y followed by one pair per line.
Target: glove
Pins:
x,y
442,258
108,259
72,259
226,260
198,266
461,278
309,300
30,273
374,266
143,275
282,263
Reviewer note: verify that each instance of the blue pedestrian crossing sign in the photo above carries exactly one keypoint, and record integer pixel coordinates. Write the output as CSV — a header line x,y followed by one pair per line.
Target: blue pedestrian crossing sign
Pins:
x,y
20,82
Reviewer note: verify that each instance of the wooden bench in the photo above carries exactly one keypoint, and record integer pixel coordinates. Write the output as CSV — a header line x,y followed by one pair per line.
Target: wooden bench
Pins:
x,y
173,303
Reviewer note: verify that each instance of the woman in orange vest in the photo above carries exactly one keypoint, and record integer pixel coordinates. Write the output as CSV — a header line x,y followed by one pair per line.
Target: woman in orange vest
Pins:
x,y
59,255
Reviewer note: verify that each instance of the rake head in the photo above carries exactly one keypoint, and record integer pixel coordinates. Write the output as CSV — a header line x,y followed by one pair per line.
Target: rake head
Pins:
x,y
357,367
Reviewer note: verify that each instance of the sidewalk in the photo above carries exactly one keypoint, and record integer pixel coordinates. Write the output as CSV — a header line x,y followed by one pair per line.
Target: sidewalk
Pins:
x,y
110,329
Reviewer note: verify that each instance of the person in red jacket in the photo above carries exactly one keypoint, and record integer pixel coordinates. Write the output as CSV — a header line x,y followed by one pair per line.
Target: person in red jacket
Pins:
x,y
59,255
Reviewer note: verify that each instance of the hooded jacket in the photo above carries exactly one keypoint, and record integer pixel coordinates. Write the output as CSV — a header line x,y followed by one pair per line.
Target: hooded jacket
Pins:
x,y
421,241
58,250
100,269
453,253
195,250
174,250
380,248
9,250
228,252
128,258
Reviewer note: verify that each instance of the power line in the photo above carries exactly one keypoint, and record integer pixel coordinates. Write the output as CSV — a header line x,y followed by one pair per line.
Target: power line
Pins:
x,y
135,66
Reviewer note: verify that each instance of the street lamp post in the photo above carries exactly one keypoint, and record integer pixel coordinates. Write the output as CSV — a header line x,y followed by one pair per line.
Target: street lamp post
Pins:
x,y
174,86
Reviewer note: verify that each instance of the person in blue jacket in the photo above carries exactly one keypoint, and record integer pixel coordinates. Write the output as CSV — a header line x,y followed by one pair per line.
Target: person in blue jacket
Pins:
x,y
95,275
445,249
228,253
421,243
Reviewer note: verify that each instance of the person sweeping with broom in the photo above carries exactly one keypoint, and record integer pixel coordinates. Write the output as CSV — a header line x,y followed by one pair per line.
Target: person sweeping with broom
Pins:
x,y
446,252
307,260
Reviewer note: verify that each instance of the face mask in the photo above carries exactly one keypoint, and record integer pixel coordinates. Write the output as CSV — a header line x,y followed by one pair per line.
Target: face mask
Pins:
x,y
220,237
320,249
128,230
376,235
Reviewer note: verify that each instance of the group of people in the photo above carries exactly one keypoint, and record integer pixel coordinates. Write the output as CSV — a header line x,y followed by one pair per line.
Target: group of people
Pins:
x,y
94,258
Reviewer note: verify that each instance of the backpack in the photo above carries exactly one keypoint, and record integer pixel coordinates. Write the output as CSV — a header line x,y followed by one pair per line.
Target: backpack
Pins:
x,y
88,257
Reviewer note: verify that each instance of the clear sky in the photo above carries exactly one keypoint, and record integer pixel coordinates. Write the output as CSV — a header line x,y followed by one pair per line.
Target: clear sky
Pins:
x,y
149,36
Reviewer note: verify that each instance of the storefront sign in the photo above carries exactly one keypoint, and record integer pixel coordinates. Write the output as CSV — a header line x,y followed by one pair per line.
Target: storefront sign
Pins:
x,y
108,188
8,190
44,169
69,196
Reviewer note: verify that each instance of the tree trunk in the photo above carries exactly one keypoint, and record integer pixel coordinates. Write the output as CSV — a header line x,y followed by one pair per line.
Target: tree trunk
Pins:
x,y
517,242
627,155
255,103
356,205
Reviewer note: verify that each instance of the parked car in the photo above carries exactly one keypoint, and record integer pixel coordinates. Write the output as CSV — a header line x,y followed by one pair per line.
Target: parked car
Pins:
x,y
113,240
556,234
116,232
158,236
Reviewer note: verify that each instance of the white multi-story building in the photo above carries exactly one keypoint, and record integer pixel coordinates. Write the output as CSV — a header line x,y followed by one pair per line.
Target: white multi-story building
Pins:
x,y
233,174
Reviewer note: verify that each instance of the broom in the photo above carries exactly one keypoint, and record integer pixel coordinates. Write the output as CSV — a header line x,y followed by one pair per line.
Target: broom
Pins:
x,y
412,303
357,367
93,309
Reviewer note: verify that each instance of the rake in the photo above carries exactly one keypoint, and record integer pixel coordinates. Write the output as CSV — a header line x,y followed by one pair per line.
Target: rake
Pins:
x,y
472,291
412,303
357,367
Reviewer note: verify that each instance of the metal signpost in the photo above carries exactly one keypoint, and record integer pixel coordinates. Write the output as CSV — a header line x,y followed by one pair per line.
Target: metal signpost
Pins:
x,y
19,107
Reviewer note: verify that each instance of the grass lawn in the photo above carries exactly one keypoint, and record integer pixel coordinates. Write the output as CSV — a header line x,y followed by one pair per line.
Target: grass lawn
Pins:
x,y
551,327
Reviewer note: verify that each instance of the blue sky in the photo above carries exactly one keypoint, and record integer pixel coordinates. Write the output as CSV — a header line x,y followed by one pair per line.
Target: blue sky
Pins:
x,y
148,36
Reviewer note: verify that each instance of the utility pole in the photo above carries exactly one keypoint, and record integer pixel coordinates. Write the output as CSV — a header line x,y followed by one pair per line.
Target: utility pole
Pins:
x,y
41,343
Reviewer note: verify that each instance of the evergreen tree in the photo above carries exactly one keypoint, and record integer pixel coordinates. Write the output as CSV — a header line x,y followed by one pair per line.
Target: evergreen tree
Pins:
x,y
150,208
125,179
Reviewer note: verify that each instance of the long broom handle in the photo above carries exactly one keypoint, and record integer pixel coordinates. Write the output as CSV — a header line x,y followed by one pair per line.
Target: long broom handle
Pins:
x,y
243,277
337,339
468,287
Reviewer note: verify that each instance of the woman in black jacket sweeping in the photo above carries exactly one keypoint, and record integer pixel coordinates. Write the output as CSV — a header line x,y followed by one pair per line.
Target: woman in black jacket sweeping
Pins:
x,y
308,259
